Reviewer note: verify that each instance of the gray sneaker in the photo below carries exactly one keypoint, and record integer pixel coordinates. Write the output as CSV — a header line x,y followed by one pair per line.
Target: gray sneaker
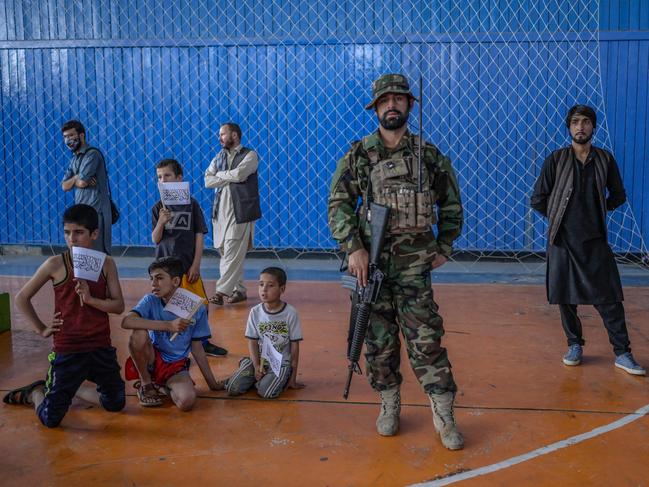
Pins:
x,y
627,363
573,357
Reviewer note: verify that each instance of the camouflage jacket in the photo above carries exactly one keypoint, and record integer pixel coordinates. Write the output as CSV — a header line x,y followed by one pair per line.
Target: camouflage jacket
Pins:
x,y
349,184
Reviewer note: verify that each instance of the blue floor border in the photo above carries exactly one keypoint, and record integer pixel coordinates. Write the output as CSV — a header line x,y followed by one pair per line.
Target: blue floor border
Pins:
x,y
328,269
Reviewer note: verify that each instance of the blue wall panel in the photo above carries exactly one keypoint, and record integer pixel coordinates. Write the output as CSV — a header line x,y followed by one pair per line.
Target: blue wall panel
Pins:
x,y
133,72
210,19
630,15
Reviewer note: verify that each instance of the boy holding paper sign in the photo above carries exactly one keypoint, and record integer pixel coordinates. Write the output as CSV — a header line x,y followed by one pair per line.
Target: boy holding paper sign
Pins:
x,y
156,358
274,334
82,348
179,229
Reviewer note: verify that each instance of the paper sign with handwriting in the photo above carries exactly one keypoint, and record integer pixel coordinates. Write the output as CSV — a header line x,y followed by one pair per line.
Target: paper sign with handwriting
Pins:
x,y
183,303
87,263
174,193
273,356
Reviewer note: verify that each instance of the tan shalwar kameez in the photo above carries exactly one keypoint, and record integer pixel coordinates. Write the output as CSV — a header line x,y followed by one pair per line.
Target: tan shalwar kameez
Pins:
x,y
232,239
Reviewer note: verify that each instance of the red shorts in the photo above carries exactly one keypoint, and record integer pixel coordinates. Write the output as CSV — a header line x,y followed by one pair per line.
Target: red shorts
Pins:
x,y
160,370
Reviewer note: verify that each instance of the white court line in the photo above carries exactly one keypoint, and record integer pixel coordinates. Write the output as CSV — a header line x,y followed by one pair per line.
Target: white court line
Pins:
x,y
538,452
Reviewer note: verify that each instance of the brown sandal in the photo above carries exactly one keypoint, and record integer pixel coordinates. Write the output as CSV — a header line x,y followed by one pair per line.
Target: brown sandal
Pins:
x,y
217,299
148,395
22,395
237,297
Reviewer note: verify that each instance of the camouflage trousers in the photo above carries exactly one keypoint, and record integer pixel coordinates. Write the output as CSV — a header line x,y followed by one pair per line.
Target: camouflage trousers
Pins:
x,y
406,305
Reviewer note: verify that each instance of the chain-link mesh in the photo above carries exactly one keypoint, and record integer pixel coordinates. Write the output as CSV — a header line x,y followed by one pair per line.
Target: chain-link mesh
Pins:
x,y
155,79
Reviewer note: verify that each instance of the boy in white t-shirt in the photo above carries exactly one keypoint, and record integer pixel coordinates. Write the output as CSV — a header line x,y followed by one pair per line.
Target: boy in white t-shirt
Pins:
x,y
273,320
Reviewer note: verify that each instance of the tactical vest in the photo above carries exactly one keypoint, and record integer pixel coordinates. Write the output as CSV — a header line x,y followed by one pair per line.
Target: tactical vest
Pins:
x,y
394,182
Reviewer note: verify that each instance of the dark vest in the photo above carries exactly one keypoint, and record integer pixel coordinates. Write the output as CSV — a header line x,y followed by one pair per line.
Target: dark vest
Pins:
x,y
245,195
563,186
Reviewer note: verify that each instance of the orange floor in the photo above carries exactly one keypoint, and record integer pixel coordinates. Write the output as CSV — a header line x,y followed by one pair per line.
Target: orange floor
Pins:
x,y
515,396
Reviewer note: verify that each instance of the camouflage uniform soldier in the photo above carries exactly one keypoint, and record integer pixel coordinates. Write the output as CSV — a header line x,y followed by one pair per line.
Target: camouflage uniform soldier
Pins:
x,y
383,167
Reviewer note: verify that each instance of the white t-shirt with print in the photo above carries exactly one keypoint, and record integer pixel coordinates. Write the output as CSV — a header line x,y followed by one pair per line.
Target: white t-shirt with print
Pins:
x,y
281,328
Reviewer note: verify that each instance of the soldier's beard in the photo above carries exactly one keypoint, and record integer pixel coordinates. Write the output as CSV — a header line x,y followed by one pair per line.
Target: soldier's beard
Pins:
x,y
394,123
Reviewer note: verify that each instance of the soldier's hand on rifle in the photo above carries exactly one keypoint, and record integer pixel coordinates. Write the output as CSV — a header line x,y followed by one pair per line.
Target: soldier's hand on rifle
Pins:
x,y
439,261
358,265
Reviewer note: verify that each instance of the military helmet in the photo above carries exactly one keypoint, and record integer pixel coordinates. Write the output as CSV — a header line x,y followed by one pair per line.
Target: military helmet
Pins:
x,y
389,83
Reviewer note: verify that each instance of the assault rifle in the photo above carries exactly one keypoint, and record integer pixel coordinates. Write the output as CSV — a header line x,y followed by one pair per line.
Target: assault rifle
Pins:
x,y
364,297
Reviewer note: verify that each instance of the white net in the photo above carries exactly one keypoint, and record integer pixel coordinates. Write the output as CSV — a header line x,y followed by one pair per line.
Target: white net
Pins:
x,y
155,79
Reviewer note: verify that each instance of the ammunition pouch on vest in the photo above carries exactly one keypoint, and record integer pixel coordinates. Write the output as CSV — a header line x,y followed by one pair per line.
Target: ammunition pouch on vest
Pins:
x,y
394,183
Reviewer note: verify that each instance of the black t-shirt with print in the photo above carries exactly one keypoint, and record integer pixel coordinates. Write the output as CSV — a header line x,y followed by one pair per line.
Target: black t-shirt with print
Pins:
x,y
179,235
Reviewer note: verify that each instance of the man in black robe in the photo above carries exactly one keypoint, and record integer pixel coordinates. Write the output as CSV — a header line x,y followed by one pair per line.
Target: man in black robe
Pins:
x,y
577,186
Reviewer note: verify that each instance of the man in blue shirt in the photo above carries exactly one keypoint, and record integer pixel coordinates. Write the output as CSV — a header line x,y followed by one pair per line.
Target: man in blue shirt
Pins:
x,y
87,175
